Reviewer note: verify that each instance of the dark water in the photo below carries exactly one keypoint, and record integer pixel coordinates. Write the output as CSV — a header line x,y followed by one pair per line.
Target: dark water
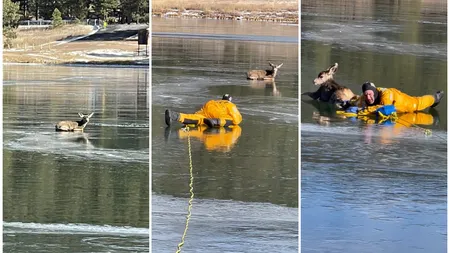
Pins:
x,y
368,187
75,192
245,180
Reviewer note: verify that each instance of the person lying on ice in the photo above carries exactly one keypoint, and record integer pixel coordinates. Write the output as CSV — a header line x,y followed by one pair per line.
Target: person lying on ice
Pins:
x,y
374,99
215,113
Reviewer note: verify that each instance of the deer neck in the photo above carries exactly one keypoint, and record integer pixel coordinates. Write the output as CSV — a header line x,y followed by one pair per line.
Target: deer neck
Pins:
x,y
331,84
271,73
82,123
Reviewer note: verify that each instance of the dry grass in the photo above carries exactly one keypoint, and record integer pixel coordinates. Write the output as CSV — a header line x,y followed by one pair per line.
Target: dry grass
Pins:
x,y
225,6
35,46
74,52
27,38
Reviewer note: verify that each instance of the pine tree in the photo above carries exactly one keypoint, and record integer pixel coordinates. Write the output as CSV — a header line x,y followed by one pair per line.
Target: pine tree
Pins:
x,y
11,18
56,17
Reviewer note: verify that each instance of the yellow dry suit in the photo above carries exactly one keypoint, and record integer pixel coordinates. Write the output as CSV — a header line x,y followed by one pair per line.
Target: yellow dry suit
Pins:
x,y
223,110
402,102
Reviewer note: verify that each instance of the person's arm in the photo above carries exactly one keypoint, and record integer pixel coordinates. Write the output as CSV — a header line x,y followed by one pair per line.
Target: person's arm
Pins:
x,y
234,113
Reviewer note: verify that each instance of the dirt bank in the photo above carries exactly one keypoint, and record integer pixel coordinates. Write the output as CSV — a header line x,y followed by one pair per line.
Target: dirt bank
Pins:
x,y
255,10
117,44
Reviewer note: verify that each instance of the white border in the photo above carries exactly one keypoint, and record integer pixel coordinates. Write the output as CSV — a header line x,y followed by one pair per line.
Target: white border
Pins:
x,y
448,109
299,130
1,136
149,44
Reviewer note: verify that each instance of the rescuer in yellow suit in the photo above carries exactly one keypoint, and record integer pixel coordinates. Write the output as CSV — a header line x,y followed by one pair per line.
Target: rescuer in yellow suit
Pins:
x,y
374,98
215,113
215,139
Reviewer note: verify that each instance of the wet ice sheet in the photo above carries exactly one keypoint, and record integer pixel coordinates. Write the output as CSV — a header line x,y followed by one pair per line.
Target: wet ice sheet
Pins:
x,y
223,226
378,36
373,186
62,188
64,237
72,145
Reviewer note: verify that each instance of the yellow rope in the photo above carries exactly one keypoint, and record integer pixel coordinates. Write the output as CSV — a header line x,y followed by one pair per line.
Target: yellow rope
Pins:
x,y
191,190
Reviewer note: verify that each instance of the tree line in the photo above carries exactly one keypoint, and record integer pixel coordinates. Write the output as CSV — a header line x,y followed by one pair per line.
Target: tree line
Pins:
x,y
112,11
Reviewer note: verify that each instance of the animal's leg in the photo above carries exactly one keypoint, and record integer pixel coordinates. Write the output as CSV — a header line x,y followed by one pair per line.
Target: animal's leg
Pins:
x,y
313,95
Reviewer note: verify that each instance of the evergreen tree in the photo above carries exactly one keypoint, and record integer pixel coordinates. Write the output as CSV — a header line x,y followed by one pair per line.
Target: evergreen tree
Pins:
x,y
11,18
56,17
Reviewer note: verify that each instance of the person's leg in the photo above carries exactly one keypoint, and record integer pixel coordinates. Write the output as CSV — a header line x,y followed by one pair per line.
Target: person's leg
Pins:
x,y
218,122
429,101
195,119
437,98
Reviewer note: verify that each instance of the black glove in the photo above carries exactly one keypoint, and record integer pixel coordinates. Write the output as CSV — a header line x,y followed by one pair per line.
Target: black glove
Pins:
x,y
212,122
345,104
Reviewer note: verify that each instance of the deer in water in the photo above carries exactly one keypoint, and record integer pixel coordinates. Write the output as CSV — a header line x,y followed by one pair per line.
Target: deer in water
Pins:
x,y
70,126
264,74
329,90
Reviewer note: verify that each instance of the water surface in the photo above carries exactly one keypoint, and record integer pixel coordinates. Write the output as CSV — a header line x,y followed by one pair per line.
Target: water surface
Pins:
x,y
368,187
245,181
75,192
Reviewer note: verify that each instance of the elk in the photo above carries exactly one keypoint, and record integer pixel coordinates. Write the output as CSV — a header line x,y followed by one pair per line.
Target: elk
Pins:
x,y
71,126
264,74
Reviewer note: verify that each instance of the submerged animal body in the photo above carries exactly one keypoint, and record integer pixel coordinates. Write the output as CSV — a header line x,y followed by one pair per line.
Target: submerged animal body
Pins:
x,y
330,90
264,74
71,126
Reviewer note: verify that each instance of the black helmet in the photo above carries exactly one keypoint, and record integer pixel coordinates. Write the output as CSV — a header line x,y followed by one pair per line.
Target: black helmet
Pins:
x,y
227,97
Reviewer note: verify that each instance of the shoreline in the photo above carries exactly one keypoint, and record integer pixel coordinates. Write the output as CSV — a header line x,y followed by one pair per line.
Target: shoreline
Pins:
x,y
281,16
77,50
82,64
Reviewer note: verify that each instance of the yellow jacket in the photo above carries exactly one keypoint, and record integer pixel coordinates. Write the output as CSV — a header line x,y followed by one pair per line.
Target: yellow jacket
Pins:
x,y
402,102
221,109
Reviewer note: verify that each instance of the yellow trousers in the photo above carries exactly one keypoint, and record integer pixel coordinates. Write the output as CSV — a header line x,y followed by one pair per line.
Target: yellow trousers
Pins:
x,y
197,119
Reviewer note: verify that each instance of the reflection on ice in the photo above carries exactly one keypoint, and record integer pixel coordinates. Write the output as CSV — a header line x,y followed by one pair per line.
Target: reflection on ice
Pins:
x,y
71,144
21,227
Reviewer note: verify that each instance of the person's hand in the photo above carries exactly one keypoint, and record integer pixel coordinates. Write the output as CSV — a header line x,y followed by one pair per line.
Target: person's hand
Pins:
x,y
362,111
352,109
212,122
386,110
345,104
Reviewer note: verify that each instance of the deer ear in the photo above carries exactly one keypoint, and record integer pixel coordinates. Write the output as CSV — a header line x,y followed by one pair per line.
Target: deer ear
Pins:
x,y
333,69
81,115
279,66
90,115
272,65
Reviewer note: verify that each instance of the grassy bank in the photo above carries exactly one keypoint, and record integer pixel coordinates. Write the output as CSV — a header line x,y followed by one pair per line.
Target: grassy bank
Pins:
x,y
41,46
262,10
35,37
226,6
